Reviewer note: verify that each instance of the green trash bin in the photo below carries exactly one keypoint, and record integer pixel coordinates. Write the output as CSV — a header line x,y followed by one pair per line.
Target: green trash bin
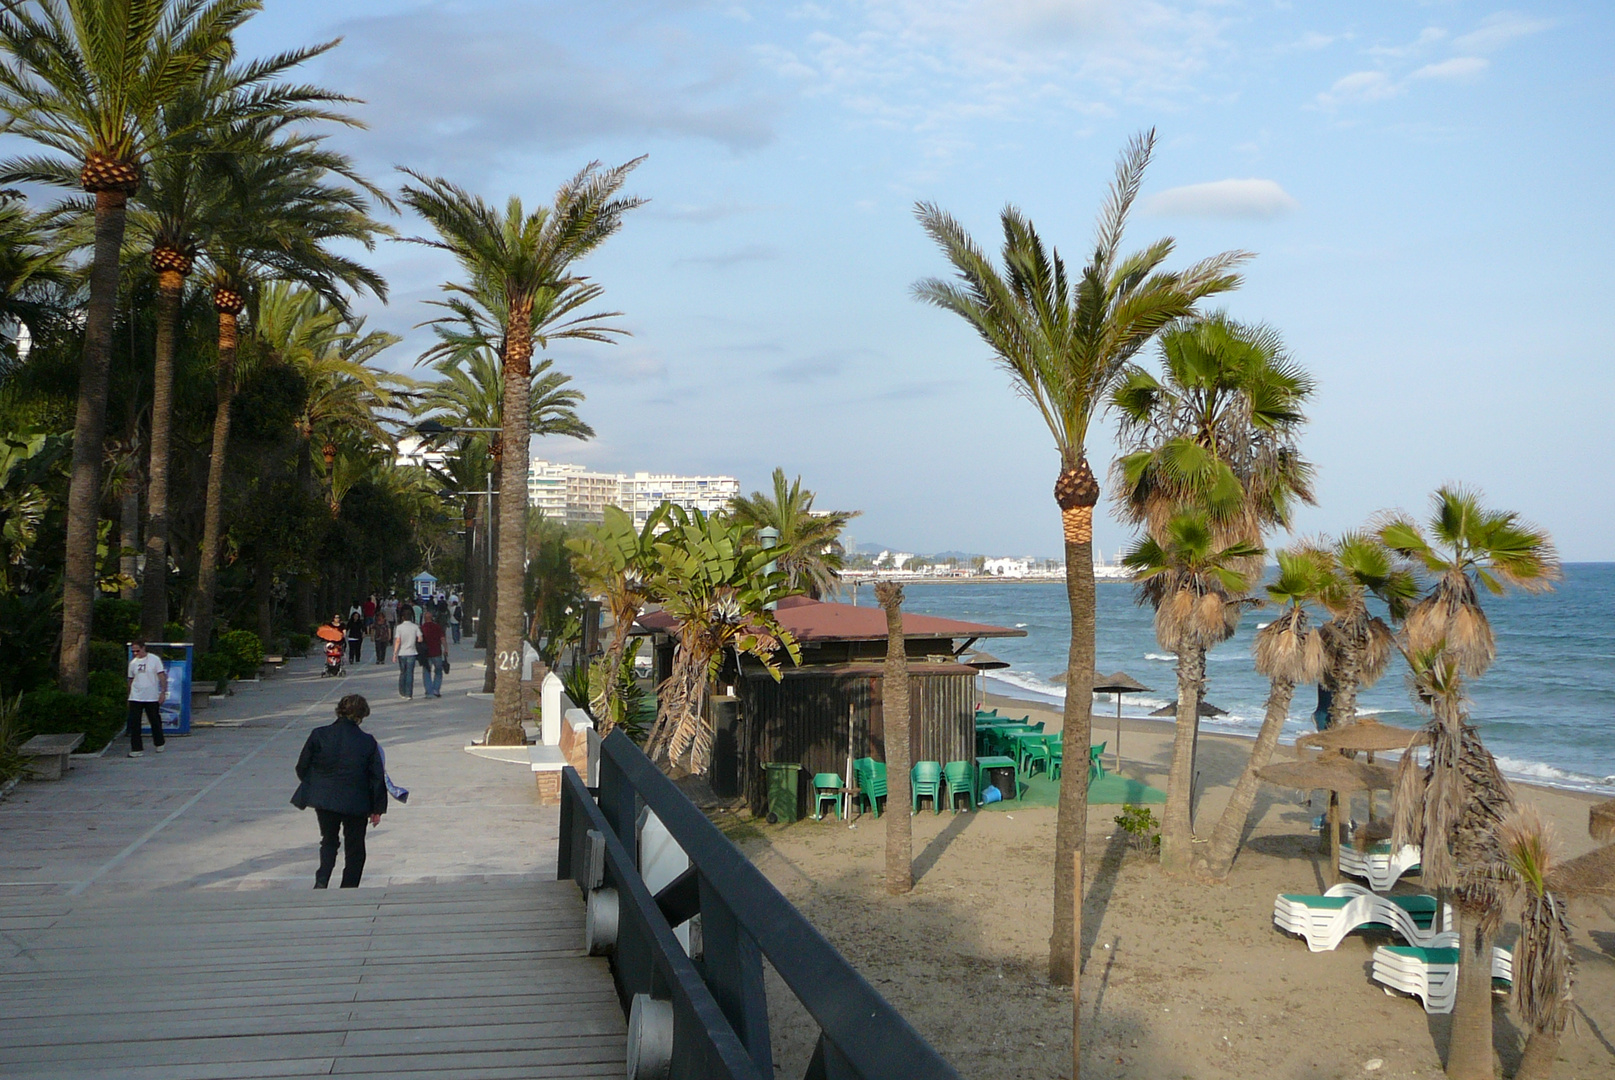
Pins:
x,y
783,778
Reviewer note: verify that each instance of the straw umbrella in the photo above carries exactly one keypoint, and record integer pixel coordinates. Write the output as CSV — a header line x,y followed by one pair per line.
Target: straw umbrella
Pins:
x,y
1118,684
1207,709
1330,772
984,661
1601,822
1367,735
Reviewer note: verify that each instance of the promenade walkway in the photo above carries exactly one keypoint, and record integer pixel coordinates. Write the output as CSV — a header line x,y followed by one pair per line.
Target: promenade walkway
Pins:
x,y
157,920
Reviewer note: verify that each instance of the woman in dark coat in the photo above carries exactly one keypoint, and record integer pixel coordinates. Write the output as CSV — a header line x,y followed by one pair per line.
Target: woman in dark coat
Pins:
x,y
345,780
356,634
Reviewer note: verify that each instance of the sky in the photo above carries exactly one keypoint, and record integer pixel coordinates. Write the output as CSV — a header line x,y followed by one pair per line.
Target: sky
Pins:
x,y
1425,186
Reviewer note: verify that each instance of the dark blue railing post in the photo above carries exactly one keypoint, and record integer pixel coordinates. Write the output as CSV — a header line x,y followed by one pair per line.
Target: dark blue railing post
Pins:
x,y
732,966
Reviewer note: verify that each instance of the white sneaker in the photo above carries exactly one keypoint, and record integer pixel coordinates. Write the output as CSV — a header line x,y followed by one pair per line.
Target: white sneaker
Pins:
x,y
136,753
160,747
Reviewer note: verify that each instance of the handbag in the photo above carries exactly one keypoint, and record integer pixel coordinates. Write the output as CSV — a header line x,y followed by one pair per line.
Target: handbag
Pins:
x,y
445,665
300,796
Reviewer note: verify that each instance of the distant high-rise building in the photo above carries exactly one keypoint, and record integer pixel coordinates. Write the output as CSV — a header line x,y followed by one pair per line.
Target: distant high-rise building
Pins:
x,y
644,492
572,494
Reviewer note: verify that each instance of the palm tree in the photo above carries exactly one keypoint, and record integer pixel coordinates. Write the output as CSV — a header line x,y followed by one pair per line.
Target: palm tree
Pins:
x,y
521,293
1065,344
286,211
618,562
712,578
182,196
1357,643
87,80
894,702
1453,805
1289,651
1198,592
807,549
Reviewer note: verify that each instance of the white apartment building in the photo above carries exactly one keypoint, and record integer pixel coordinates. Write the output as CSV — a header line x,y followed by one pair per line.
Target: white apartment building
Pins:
x,y
572,494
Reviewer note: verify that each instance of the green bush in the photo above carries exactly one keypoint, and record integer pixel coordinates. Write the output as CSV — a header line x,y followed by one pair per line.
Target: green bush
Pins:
x,y
52,712
115,620
245,651
1142,829
109,656
105,684
214,667
12,763
297,644
173,631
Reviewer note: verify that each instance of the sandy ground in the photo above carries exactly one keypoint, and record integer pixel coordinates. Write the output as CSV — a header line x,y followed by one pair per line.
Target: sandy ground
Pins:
x,y
1180,979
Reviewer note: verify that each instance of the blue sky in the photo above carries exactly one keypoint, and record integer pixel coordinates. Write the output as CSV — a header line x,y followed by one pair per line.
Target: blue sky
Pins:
x,y
1426,186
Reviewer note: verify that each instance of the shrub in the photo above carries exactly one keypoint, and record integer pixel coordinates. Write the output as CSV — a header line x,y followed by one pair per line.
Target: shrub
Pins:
x,y
1143,831
297,644
115,620
214,667
173,631
244,650
106,684
52,712
109,656
12,763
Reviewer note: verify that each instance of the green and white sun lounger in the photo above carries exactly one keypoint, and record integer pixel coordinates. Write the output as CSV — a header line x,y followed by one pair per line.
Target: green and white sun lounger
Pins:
x,y
1431,974
1379,866
1324,921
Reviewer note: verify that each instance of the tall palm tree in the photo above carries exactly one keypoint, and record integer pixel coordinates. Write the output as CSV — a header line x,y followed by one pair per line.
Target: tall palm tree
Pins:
x,y
521,293
807,550
1198,592
1289,651
1357,643
86,80
618,562
1065,344
286,212
1453,805
894,711
219,117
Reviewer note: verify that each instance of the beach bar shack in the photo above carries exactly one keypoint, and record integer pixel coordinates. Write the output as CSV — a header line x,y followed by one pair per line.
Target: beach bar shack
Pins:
x,y
832,702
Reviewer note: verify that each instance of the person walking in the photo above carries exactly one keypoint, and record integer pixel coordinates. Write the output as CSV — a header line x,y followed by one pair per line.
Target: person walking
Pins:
x,y
148,688
368,608
434,654
343,776
356,635
406,650
381,632
454,620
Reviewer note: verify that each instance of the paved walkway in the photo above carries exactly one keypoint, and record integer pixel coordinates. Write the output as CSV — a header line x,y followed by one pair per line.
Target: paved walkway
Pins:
x,y
158,922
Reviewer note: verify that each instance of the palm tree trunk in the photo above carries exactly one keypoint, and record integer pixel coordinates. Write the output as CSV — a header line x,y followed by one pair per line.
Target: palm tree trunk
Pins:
x,y
894,707
89,434
154,584
622,624
1230,829
129,539
671,732
1177,837
1469,1051
1071,820
1541,1051
207,573
490,597
506,729
263,580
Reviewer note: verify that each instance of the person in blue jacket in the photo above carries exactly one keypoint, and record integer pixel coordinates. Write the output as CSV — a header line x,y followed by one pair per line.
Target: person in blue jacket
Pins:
x,y
344,778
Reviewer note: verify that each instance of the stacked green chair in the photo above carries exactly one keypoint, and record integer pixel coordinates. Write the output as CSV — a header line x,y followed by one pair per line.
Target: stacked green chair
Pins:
x,y
925,778
871,777
826,786
961,780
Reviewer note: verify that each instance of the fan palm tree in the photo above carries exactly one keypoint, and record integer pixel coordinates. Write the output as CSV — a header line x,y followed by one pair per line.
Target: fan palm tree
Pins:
x,y
1198,592
1065,344
87,81
807,550
1357,643
1289,651
712,578
1453,805
286,211
618,562
521,293
894,710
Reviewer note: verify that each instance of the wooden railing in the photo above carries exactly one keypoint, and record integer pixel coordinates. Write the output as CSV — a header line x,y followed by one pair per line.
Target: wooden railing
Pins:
x,y
702,1013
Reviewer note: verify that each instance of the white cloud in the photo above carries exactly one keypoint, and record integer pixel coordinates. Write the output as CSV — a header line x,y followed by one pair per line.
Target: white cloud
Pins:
x,y
1360,86
1496,31
1427,37
1459,67
1223,199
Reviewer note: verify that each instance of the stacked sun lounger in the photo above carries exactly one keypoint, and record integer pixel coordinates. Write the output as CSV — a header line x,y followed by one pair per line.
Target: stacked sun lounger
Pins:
x,y
1431,974
1324,921
1379,865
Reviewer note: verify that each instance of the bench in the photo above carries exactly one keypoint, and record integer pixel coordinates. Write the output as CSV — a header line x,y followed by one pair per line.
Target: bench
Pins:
x,y
50,754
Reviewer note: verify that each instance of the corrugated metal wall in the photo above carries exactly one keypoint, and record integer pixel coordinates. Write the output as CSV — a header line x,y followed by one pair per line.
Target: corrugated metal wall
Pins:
x,y
804,718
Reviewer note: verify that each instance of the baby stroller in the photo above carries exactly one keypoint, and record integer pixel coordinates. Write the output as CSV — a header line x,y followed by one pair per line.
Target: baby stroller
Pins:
x,y
334,653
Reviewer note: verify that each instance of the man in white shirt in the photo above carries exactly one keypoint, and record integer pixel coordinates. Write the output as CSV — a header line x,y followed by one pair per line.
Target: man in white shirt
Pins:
x,y
406,649
148,686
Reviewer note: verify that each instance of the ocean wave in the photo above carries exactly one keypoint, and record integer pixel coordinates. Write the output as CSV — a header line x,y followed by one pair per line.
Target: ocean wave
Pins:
x,y
1541,773
1021,626
1025,680
1160,656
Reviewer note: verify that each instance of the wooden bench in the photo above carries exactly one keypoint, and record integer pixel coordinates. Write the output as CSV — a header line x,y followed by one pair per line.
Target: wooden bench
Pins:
x,y
50,754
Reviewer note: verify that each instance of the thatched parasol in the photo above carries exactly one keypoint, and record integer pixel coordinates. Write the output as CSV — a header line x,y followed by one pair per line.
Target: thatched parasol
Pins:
x,y
1206,709
1592,874
1601,822
1118,684
1369,735
1331,772
984,661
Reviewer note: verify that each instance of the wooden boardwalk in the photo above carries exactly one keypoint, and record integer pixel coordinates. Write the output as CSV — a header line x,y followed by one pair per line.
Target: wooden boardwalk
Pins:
x,y
462,981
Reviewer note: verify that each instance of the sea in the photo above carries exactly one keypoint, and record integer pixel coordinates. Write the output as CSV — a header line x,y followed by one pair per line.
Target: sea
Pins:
x,y
1546,707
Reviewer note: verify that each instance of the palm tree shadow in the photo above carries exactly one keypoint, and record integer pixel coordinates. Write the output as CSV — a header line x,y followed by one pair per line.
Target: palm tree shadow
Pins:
x,y
1095,903
939,843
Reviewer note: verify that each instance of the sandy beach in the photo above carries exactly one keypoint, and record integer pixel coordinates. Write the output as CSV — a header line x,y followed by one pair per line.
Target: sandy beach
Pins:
x,y
1180,979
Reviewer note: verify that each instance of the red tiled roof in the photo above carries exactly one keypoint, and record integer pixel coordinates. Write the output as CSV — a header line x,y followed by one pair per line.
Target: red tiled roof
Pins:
x,y
812,621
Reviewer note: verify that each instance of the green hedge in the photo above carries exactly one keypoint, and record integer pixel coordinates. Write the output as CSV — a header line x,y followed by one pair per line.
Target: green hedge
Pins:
x,y
52,712
115,620
297,644
214,667
109,656
104,684
245,652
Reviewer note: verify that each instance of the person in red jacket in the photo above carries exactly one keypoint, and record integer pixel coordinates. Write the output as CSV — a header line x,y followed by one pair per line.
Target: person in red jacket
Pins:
x,y
434,651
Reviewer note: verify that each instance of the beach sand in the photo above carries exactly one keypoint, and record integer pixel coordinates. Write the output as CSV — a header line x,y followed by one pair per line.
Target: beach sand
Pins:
x,y
1180,979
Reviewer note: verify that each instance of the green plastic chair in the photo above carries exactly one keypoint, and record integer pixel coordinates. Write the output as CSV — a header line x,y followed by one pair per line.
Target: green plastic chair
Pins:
x,y
1096,767
1056,759
961,780
871,777
1034,751
826,786
925,778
